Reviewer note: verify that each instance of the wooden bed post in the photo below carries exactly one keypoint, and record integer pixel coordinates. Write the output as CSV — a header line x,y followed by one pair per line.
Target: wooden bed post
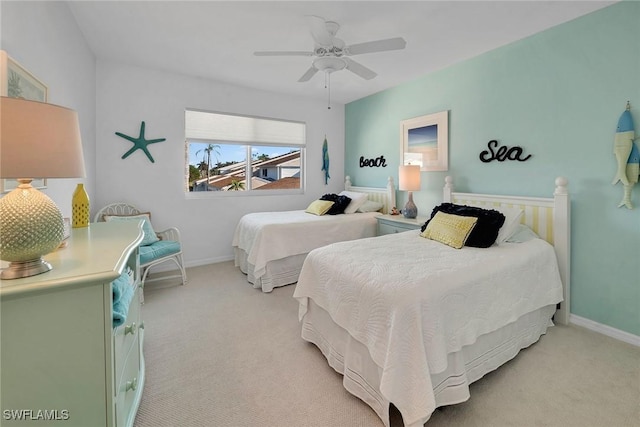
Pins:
x,y
391,192
447,191
562,243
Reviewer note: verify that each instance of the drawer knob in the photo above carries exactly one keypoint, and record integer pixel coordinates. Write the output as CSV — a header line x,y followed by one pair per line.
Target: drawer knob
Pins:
x,y
131,385
130,329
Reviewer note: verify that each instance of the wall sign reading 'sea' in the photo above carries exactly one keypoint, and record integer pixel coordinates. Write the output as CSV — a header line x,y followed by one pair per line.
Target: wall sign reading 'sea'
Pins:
x,y
503,153
373,163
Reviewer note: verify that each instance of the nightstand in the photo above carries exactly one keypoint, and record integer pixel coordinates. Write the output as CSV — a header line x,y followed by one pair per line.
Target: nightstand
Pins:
x,y
389,224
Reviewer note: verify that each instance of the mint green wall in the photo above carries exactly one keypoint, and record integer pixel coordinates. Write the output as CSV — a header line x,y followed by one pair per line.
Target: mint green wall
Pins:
x,y
559,95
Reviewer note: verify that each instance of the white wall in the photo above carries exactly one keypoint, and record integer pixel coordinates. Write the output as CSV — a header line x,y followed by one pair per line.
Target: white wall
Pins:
x,y
44,38
128,95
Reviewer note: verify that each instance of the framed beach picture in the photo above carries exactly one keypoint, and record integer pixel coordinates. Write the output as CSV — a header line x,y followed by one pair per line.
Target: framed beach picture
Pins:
x,y
425,141
17,82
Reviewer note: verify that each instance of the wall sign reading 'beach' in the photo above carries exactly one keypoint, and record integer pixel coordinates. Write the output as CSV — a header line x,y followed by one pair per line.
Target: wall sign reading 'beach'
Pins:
x,y
378,162
424,141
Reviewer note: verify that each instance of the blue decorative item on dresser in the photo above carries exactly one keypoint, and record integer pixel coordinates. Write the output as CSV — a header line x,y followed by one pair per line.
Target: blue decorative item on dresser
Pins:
x,y
123,289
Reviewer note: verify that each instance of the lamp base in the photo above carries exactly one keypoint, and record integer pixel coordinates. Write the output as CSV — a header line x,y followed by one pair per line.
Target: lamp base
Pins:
x,y
410,209
20,269
31,226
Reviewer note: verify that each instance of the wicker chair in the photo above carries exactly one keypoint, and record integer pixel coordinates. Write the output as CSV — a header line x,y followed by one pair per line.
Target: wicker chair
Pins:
x,y
147,257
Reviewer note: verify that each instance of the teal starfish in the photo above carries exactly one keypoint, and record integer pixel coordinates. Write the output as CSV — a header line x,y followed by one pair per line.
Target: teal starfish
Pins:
x,y
140,143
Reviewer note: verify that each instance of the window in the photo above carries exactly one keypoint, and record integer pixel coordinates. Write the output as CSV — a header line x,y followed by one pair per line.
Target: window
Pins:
x,y
222,150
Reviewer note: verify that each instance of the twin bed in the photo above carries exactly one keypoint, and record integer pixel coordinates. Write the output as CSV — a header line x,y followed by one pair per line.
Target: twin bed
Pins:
x,y
270,247
411,321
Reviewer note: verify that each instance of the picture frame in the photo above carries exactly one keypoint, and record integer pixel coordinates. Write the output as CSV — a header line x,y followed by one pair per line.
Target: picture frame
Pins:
x,y
424,141
17,82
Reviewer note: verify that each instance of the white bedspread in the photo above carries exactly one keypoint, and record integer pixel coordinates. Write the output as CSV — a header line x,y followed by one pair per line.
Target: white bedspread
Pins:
x,y
268,236
411,301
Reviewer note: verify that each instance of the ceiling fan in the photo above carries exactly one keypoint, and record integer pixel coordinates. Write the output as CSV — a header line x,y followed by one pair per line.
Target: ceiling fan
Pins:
x,y
331,52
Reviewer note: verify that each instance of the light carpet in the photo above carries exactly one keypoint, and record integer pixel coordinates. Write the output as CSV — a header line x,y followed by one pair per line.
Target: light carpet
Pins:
x,y
221,353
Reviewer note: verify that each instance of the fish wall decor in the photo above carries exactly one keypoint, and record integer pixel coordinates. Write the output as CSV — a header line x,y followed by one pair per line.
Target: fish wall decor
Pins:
x,y
627,156
325,160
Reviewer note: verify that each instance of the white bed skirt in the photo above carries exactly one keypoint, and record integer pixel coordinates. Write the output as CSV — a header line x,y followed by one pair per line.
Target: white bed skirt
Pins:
x,y
278,273
361,376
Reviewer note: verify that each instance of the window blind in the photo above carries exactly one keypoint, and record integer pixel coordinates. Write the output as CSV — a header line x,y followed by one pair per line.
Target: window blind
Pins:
x,y
202,125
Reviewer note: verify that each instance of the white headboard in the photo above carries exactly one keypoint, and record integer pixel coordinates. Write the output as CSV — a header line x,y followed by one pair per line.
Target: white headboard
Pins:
x,y
385,195
549,217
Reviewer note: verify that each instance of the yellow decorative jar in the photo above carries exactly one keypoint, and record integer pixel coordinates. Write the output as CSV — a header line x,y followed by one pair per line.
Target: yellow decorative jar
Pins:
x,y
80,208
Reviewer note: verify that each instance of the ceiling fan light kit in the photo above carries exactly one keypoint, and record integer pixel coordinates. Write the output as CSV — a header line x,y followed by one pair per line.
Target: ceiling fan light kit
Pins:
x,y
329,64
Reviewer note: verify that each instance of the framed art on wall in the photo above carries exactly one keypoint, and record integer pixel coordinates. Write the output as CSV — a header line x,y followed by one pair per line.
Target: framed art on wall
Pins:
x,y
425,141
17,82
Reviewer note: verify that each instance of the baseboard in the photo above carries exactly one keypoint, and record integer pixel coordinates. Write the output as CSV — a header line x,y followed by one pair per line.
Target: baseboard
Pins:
x,y
170,266
605,330
205,261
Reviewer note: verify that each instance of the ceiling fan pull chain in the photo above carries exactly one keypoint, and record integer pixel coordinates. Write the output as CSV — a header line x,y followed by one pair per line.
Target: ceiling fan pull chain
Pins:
x,y
328,76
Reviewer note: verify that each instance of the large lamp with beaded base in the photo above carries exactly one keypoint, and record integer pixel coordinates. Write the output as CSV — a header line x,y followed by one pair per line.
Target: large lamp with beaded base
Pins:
x,y
409,180
37,140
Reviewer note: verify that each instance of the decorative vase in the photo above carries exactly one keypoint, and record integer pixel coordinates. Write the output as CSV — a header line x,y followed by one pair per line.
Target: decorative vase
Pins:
x,y
80,208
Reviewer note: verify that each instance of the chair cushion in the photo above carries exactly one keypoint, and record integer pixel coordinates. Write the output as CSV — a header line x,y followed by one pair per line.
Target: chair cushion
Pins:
x,y
157,250
150,236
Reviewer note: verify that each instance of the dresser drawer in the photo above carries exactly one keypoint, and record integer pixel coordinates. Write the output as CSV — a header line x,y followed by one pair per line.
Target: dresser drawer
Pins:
x,y
125,335
129,385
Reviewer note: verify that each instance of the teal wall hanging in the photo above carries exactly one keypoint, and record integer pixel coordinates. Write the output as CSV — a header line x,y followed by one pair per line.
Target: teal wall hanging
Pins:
x,y
139,143
325,160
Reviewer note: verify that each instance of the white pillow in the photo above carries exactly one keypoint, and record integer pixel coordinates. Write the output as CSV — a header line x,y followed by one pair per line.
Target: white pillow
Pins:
x,y
357,200
522,234
512,217
370,206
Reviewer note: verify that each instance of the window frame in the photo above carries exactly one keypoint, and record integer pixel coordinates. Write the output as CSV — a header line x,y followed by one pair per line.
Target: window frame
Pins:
x,y
249,145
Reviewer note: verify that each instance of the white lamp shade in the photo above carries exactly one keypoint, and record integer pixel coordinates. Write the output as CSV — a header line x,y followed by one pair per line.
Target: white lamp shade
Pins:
x,y
409,178
39,140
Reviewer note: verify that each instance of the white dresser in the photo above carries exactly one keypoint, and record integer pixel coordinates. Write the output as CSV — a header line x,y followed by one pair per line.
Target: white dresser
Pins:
x,y
62,361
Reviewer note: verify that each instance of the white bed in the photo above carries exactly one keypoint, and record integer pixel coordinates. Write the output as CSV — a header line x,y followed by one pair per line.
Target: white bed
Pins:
x,y
270,247
402,333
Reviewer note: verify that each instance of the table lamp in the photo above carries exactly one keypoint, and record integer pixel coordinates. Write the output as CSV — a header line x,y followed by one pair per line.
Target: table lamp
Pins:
x,y
37,140
409,180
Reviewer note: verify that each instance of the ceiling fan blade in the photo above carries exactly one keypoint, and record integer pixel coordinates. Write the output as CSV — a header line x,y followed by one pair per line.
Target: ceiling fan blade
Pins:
x,y
395,43
310,73
319,31
359,69
283,53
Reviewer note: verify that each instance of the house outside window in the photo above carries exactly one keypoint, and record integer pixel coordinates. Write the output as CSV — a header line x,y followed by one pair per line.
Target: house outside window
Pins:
x,y
222,150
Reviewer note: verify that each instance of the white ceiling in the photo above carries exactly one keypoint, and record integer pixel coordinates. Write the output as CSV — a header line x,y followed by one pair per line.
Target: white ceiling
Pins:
x,y
216,39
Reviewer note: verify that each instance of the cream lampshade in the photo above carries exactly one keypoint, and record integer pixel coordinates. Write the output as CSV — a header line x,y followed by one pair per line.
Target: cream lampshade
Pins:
x,y
409,180
37,140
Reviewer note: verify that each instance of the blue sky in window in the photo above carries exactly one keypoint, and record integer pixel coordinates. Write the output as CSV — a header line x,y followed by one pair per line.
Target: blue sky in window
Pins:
x,y
230,152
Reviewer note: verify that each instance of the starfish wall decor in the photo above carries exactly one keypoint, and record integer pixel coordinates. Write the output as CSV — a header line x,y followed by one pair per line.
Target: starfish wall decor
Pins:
x,y
140,143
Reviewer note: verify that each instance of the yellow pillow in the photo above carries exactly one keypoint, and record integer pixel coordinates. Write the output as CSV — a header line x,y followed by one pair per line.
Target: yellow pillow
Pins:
x,y
452,230
319,207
